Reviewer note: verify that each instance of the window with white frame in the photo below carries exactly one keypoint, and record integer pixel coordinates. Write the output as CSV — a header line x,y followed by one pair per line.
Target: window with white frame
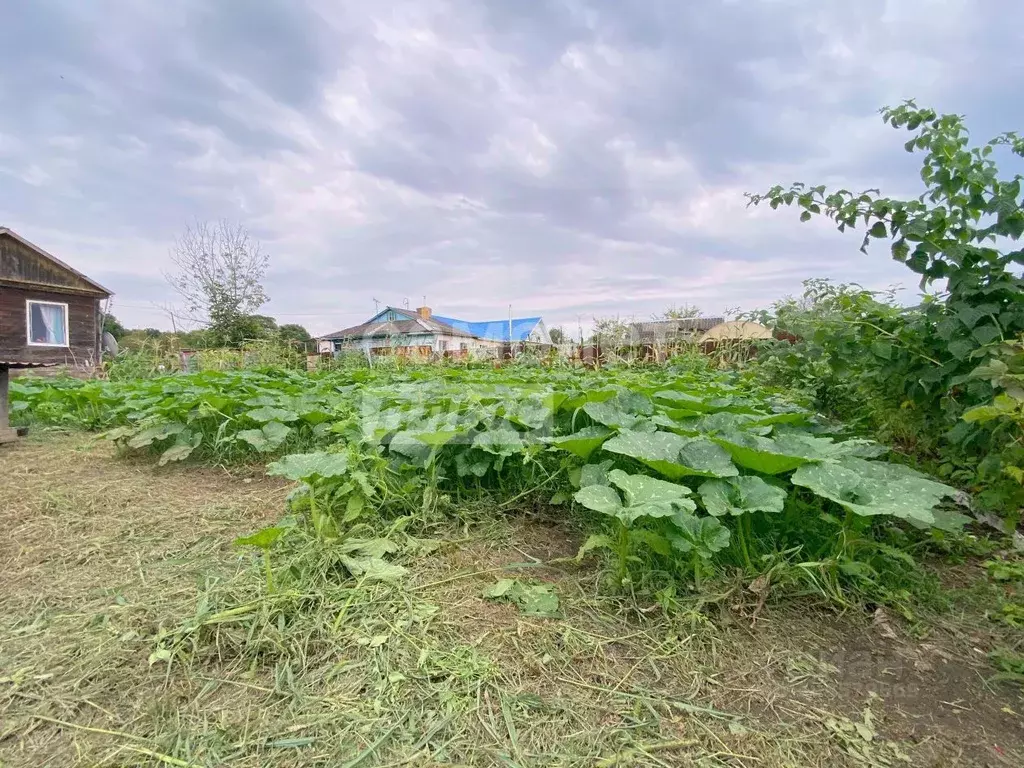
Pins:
x,y
47,323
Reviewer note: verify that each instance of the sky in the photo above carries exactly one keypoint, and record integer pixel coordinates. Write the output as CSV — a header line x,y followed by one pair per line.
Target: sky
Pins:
x,y
570,158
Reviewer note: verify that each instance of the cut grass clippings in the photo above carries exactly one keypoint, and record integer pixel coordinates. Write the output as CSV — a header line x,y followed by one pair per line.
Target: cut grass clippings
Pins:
x,y
135,634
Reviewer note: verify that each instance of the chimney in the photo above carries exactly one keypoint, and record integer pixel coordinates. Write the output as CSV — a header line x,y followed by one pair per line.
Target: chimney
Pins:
x,y
423,312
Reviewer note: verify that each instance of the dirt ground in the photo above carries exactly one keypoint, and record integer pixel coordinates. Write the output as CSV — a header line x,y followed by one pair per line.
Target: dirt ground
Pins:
x,y
134,633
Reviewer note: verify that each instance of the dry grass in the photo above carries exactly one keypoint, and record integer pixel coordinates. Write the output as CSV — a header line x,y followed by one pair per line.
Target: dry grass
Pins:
x,y
134,634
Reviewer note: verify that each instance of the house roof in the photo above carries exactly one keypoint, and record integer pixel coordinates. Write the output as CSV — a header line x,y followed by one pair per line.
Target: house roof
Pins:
x,y
495,330
666,329
411,325
99,288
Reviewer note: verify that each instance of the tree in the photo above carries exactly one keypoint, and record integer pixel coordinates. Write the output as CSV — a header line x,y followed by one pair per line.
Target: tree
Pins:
x,y
610,332
113,326
557,335
294,332
220,272
683,312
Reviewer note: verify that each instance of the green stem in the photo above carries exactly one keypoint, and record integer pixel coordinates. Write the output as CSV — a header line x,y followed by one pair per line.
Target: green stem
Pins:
x,y
623,552
314,514
846,531
741,531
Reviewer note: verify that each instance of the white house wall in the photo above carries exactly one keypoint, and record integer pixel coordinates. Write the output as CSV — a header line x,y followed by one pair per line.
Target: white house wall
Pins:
x,y
539,334
446,343
418,340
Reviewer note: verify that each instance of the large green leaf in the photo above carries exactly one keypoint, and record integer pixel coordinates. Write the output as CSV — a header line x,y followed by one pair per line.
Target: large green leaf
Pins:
x,y
785,417
703,535
740,495
583,442
641,490
683,400
600,498
267,413
595,474
723,421
533,413
408,444
644,497
439,437
821,448
267,438
761,454
308,466
472,462
633,402
674,456
876,488
611,415
373,569
532,599
183,447
263,538
154,434
501,442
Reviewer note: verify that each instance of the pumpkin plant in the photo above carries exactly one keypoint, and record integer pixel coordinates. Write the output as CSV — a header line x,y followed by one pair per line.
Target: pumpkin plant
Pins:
x,y
641,498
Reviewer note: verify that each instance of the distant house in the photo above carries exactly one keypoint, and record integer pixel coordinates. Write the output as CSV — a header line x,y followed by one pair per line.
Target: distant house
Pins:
x,y
50,313
420,332
517,330
660,332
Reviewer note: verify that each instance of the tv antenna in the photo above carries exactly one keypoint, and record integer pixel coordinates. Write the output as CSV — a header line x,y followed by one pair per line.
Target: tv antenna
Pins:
x,y
376,306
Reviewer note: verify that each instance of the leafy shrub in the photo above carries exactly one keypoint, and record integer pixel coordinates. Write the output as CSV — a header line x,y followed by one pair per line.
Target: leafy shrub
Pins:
x,y
956,235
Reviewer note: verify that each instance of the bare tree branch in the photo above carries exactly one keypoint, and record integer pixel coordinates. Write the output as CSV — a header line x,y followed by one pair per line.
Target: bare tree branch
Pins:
x,y
220,271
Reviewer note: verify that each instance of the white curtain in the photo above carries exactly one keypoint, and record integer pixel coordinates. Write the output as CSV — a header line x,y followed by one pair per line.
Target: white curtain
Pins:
x,y
49,325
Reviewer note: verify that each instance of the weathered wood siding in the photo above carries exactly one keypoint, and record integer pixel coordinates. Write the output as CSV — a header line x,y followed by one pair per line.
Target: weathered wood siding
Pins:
x,y
20,265
83,327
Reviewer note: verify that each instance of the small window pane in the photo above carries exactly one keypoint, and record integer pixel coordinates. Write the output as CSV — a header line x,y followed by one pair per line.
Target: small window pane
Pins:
x,y
47,324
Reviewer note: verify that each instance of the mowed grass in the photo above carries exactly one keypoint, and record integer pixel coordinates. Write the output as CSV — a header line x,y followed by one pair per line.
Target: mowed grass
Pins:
x,y
133,633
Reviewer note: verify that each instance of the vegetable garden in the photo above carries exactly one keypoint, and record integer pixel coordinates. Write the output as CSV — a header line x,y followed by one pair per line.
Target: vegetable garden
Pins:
x,y
679,473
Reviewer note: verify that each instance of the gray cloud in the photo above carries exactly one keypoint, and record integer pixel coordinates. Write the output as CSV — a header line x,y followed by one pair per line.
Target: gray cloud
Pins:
x,y
568,157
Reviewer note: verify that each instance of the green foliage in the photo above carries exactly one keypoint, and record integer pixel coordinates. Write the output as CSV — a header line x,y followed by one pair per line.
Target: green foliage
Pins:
x,y
960,233
672,455
294,332
113,326
310,467
532,599
1004,417
643,497
870,488
1010,664
704,536
622,450
264,540
1009,574
1005,570
741,495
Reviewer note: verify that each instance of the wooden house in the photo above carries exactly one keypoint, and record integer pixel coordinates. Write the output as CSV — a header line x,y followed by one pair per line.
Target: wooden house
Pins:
x,y
50,314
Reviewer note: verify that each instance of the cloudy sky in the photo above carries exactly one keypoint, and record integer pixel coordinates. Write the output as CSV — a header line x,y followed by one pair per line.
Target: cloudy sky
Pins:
x,y
571,158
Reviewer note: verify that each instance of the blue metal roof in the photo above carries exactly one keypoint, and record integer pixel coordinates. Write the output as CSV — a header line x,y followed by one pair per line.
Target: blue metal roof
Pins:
x,y
494,330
